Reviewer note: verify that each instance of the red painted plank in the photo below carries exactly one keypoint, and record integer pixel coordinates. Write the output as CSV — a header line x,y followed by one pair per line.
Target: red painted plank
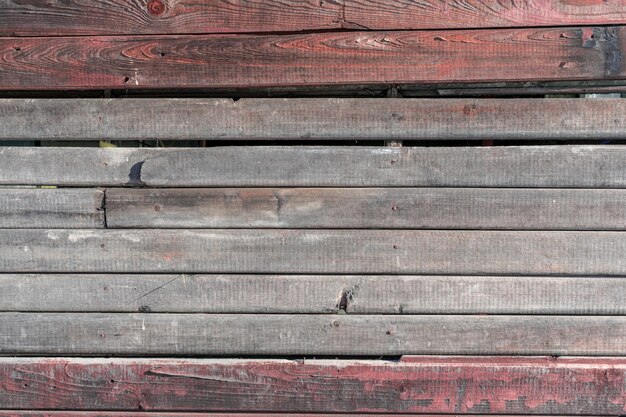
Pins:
x,y
115,17
538,386
17,413
331,58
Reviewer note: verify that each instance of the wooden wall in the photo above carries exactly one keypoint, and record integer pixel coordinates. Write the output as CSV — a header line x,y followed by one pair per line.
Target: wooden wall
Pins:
x,y
354,249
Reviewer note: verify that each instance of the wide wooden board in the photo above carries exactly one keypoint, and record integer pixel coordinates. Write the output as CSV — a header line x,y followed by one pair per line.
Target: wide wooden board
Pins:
x,y
311,119
306,294
510,386
118,17
51,209
311,59
368,208
527,166
326,335
314,251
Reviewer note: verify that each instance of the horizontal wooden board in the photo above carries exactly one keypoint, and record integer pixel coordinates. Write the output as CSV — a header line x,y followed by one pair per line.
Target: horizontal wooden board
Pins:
x,y
430,385
310,59
306,294
48,208
116,17
21,413
328,335
313,251
311,119
303,166
368,208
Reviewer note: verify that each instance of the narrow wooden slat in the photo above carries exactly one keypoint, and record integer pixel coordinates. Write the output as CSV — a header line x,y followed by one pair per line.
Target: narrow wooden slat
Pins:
x,y
330,58
528,166
19,413
43,208
311,119
368,208
312,294
115,17
330,335
314,251
534,386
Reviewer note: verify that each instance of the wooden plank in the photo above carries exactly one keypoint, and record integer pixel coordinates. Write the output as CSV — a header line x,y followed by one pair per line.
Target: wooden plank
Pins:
x,y
368,208
533,386
118,17
311,119
314,251
51,209
120,334
329,58
20,413
303,166
306,294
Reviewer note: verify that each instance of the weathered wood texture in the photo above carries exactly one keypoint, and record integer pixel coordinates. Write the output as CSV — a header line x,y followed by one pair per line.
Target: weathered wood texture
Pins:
x,y
311,119
30,413
116,17
431,385
368,208
306,294
330,58
43,208
314,251
529,166
328,335
20,413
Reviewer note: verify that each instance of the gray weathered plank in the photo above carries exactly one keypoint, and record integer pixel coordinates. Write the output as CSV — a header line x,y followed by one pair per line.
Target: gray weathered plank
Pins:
x,y
51,208
307,294
371,335
311,118
368,208
314,251
528,166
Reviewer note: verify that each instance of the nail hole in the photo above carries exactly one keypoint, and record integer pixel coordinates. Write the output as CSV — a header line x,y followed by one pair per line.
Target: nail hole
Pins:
x,y
17,48
126,79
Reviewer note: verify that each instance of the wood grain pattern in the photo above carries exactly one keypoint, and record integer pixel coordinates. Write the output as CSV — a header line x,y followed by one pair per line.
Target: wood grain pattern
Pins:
x,y
51,209
313,251
331,58
311,119
115,17
430,385
328,335
528,166
20,413
368,208
306,294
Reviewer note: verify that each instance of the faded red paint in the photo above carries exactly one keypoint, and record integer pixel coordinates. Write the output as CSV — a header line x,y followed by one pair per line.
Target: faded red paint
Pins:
x,y
134,414
415,385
